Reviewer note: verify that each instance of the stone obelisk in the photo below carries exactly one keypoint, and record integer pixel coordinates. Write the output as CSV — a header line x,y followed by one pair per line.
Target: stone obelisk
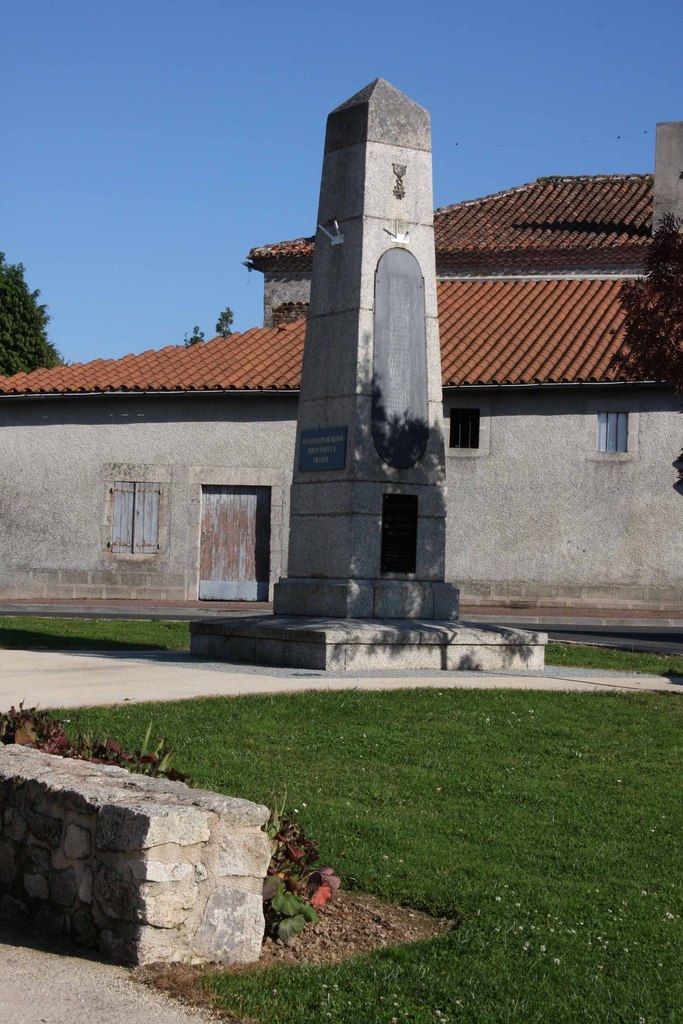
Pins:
x,y
367,518
365,579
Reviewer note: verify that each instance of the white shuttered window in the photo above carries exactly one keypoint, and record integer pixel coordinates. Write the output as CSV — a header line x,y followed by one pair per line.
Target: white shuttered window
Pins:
x,y
135,517
612,432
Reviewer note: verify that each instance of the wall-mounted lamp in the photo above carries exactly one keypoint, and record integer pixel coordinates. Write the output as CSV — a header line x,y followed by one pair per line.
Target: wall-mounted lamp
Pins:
x,y
335,239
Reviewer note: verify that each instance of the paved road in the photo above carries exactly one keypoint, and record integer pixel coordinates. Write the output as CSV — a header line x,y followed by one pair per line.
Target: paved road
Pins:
x,y
652,639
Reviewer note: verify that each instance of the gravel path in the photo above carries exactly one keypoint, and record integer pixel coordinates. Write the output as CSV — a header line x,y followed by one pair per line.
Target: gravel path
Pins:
x,y
51,984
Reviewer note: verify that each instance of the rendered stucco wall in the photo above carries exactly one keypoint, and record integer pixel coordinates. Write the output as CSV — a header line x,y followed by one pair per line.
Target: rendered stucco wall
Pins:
x,y
535,515
60,457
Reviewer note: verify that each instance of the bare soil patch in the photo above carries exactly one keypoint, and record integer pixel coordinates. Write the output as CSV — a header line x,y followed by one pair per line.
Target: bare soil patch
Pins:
x,y
351,924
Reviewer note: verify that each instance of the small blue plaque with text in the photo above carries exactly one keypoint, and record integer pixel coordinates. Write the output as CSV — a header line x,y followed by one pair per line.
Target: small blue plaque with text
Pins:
x,y
322,449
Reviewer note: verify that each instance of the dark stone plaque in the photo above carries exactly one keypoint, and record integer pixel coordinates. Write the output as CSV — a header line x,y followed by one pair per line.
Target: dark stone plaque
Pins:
x,y
399,371
399,533
322,449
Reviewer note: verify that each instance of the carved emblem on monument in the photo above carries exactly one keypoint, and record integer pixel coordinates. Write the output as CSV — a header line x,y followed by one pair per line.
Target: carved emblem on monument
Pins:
x,y
400,172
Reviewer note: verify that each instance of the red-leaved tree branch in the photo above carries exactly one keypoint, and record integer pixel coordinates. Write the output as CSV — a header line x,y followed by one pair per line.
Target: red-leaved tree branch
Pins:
x,y
653,314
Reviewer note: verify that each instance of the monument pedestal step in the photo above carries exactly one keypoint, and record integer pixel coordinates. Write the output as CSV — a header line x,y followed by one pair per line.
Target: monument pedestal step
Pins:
x,y
368,644
366,599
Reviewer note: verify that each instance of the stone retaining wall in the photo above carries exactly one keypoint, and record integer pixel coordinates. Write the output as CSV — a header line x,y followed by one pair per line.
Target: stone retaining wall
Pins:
x,y
140,869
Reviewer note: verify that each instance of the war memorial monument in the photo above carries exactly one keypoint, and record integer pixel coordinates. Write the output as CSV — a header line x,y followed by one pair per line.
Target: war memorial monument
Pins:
x,y
365,588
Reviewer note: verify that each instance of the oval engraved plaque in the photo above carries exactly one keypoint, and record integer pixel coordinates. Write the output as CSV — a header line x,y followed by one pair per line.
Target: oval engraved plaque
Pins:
x,y
399,371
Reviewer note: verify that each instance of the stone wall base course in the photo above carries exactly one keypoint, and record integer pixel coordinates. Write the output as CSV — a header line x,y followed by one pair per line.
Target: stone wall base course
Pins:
x,y
139,868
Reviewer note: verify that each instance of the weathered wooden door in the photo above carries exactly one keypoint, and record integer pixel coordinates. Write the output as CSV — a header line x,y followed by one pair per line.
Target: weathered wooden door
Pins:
x,y
234,560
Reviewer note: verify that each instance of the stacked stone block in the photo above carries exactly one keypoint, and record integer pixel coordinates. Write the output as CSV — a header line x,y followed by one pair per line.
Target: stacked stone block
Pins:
x,y
138,868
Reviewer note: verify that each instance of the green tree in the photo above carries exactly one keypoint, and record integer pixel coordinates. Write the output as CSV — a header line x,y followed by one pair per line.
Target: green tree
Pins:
x,y
23,320
224,325
195,337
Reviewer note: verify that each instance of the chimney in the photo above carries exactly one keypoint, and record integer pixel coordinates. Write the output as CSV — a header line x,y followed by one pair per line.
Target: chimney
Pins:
x,y
668,197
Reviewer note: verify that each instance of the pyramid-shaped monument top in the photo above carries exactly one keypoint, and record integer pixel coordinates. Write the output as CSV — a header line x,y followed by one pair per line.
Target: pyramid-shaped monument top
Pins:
x,y
379,113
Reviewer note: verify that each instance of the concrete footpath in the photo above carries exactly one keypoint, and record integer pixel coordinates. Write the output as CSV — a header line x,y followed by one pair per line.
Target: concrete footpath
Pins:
x,y
82,678
53,984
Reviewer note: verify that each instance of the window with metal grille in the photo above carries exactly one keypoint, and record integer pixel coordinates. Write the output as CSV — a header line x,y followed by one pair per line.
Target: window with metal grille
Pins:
x,y
135,517
464,428
612,432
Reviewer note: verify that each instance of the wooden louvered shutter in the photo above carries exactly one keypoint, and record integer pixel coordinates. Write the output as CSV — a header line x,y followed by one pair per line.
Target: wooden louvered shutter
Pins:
x,y
122,516
146,519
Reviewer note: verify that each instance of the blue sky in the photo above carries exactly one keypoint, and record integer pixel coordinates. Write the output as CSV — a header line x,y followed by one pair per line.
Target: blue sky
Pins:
x,y
148,145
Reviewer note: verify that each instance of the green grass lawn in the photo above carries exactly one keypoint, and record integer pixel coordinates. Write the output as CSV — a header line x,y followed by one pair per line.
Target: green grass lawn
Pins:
x,y
612,659
550,824
33,632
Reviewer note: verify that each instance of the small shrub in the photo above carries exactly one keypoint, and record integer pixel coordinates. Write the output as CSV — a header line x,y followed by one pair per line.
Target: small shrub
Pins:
x,y
295,886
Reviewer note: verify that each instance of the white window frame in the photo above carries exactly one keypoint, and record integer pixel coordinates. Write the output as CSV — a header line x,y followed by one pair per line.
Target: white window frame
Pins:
x,y
612,433
607,404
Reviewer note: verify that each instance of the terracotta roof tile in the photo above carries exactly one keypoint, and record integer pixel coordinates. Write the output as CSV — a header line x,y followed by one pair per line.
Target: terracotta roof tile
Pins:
x,y
606,218
257,359
492,332
529,332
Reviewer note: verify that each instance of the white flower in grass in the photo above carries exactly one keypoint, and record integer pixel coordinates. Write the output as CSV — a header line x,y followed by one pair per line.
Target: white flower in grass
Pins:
x,y
556,960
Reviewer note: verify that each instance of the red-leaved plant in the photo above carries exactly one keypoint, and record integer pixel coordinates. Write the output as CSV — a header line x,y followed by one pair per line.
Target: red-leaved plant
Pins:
x,y
296,885
30,727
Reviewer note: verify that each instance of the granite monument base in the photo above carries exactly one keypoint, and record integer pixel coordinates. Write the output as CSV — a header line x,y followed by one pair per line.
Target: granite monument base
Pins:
x,y
366,599
368,645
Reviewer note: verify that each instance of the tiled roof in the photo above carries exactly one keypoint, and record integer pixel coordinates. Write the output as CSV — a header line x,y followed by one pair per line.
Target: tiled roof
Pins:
x,y
529,332
606,218
492,332
259,359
